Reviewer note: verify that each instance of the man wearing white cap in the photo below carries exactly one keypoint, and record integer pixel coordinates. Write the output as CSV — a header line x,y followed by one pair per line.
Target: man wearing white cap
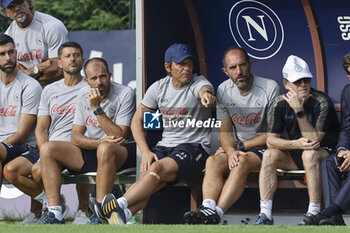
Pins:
x,y
182,151
311,123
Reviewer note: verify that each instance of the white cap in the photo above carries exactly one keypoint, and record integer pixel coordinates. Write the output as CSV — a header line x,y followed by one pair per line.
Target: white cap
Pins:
x,y
295,69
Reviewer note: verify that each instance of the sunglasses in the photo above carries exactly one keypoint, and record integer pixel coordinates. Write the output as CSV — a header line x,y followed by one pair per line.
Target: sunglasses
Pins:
x,y
14,4
304,80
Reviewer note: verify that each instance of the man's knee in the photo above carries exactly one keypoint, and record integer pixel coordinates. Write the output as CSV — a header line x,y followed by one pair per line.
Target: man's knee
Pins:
x,y
109,152
270,157
10,172
36,172
310,158
47,150
213,161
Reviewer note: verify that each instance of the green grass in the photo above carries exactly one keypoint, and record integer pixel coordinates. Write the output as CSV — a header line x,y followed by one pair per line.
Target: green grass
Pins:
x,y
16,228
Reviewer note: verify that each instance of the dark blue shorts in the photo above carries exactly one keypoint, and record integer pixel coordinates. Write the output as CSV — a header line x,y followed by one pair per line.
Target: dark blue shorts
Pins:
x,y
259,151
190,157
16,150
90,160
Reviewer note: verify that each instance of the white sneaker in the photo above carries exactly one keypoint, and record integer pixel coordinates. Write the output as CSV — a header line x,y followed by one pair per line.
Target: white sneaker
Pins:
x,y
80,218
30,219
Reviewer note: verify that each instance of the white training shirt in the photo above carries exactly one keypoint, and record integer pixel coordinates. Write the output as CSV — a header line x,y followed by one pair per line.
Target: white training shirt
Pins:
x,y
21,96
59,101
119,106
180,105
39,41
249,112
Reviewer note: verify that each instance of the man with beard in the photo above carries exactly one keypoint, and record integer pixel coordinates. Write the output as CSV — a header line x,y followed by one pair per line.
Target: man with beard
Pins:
x,y
55,118
243,105
182,151
104,110
19,100
37,37
309,119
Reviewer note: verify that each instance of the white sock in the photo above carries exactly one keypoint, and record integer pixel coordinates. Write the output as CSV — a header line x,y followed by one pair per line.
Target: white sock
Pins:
x,y
266,208
219,211
210,203
57,210
41,197
314,208
128,214
122,202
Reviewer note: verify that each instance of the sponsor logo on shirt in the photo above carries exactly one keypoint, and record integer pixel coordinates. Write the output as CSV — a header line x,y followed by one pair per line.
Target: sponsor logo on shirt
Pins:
x,y
34,54
10,111
92,121
175,111
63,110
250,119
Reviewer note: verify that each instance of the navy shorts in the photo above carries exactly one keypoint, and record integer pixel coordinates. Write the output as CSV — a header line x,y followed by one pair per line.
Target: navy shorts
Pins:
x,y
296,155
190,157
90,160
16,150
259,151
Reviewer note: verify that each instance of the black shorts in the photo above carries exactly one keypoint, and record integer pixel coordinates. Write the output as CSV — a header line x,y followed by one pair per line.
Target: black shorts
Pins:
x,y
296,155
16,150
259,151
190,157
90,160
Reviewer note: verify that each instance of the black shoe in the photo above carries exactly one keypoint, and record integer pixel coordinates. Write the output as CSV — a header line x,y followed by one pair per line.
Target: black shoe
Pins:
x,y
314,219
110,208
99,214
202,215
333,221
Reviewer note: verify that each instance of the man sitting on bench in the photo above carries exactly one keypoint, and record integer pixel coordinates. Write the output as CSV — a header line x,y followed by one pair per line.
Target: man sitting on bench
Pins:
x,y
104,110
311,123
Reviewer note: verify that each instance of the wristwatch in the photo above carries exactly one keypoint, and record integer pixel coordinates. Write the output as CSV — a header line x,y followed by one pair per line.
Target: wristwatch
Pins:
x,y
98,111
241,146
300,114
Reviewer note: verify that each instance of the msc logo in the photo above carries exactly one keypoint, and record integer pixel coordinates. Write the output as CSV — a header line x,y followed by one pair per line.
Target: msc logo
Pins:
x,y
152,120
256,28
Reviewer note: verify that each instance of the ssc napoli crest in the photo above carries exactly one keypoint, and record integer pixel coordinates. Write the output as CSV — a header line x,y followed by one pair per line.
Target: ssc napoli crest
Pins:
x,y
257,28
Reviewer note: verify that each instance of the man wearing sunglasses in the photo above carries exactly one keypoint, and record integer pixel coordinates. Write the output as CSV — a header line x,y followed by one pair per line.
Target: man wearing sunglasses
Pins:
x,y
309,119
37,38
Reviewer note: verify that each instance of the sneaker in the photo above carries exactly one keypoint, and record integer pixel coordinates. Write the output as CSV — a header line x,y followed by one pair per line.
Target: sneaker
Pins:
x,y
80,218
202,215
110,208
302,222
263,220
30,219
314,219
333,221
45,210
51,219
98,212
94,219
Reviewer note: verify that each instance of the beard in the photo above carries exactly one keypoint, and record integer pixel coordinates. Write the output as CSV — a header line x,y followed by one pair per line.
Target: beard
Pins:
x,y
243,84
8,70
73,72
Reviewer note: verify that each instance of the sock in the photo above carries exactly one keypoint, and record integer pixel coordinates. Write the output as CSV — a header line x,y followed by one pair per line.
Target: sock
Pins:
x,y
122,202
314,208
266,208
57,210
210,203
219,211
41,197
128,214
332,209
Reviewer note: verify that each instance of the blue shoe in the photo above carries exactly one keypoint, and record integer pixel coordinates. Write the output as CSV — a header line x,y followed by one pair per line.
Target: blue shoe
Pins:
x,y
51,219
110,208
263,220
98,213
302,222
94,219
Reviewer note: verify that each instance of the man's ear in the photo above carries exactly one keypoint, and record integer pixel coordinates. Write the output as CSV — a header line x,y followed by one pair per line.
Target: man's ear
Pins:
x,y
167,67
